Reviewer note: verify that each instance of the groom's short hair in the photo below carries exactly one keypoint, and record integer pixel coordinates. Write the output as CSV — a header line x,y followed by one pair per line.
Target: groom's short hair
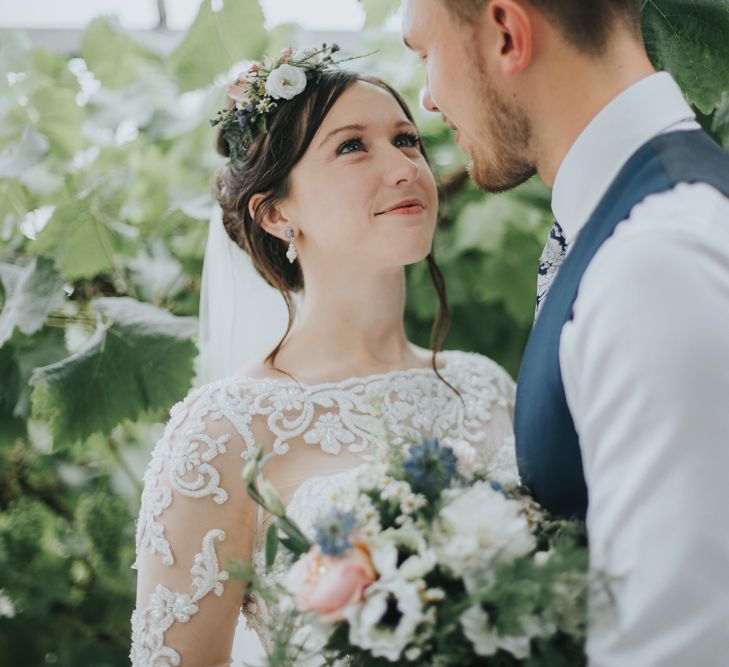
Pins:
x,y
587,24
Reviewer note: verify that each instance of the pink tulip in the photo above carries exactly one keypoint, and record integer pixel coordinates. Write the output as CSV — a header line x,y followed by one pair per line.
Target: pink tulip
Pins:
x,y
329,585
285,54
254,68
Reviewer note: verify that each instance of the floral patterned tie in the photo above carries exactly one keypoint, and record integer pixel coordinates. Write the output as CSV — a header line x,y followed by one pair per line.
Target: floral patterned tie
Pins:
x,y
550,260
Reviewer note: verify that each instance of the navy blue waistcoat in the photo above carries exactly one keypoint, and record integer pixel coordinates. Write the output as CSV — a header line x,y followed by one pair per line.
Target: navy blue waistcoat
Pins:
x,y
547,444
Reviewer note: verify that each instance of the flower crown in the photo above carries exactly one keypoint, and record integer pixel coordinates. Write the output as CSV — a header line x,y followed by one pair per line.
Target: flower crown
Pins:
x,y
257,92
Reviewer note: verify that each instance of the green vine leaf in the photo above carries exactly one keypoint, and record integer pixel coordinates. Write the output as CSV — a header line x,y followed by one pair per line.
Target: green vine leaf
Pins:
x,y
84,237
31,293
216,41
115,57
16,158
139,360
689,39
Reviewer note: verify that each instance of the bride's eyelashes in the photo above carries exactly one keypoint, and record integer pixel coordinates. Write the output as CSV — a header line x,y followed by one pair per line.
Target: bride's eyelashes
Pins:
x,y
355,144
412,139
349,146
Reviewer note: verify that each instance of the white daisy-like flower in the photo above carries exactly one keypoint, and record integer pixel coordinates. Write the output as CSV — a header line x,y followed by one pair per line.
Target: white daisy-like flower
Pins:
x,y
265,105
412,503
384,550
386,621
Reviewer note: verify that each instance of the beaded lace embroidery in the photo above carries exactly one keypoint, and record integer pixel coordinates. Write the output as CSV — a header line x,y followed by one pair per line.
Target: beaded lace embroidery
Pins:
x,y
166,606
355,415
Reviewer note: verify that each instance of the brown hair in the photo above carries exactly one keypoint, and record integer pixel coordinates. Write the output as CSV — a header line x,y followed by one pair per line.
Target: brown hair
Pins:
x,y
584,23
266,168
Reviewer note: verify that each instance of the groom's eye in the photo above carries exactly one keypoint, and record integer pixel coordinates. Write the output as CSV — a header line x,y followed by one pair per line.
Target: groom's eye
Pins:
x,y
350,146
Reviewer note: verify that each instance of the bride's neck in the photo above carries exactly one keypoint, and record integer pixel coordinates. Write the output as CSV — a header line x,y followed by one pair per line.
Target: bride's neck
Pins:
x,y
350,327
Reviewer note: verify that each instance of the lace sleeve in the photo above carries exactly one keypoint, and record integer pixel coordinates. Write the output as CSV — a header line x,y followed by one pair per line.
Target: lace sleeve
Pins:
x,y
195,515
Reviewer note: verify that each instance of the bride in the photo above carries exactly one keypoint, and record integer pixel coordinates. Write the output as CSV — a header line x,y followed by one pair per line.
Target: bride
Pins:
x,y
331,200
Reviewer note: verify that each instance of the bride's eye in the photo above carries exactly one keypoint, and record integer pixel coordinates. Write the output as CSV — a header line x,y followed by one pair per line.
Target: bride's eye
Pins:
x,y
350,146
407,140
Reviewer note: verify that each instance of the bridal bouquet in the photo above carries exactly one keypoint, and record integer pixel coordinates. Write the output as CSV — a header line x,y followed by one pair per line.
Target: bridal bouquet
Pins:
x,y
424,561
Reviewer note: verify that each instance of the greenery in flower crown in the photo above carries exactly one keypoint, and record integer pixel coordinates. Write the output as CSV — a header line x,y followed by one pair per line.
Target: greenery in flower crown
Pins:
x,y
258,92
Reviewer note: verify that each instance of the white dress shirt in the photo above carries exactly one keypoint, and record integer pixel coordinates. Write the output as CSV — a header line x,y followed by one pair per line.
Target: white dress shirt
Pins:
x,y
645,366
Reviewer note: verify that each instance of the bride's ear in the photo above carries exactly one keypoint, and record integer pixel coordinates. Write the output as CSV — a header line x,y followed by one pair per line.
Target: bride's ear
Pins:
x,y
274,220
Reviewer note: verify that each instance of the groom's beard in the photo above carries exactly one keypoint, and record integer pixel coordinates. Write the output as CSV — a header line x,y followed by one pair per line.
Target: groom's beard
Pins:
x,y
508,134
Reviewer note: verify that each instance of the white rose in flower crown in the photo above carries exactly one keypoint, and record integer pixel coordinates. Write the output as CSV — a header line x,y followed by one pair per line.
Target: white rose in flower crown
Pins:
x,y
478,525
286,82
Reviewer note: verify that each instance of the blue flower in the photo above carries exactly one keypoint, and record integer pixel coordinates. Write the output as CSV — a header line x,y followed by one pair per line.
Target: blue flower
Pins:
x,y
249,107
431,468
333,532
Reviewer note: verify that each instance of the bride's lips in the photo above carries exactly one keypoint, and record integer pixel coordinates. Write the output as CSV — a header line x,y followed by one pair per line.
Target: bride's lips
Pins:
x,y
404,207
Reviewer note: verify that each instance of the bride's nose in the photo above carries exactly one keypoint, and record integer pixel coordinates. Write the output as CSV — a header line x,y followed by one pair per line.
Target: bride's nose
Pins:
x,y
400,168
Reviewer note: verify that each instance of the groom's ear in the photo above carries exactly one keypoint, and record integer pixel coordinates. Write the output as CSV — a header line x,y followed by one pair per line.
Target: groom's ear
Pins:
x,y
271,218
513,25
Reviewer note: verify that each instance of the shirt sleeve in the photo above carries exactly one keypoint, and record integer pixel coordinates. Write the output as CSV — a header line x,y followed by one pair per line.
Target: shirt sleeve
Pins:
x,y
195,518
645,364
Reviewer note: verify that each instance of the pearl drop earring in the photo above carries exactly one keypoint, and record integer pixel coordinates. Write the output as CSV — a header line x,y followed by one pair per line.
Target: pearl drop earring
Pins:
x,y
291,252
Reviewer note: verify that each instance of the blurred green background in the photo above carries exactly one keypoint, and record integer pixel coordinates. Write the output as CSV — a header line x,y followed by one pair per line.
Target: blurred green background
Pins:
x,y
105,166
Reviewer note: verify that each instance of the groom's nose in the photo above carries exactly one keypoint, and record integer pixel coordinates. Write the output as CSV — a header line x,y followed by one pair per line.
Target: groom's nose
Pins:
x,y
426,101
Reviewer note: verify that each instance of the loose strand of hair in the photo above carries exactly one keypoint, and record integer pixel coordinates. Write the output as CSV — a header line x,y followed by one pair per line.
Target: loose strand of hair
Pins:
x,y
439,332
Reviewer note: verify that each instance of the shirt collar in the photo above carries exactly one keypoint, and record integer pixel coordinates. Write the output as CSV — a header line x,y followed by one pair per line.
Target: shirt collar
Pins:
x,y
635,116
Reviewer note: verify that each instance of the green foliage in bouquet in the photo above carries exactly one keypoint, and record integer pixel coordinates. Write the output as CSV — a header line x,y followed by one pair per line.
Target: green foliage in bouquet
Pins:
x,y
105,164
425,559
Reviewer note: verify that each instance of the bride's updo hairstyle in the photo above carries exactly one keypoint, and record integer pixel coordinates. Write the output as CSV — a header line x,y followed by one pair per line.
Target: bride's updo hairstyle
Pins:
x,y
264,166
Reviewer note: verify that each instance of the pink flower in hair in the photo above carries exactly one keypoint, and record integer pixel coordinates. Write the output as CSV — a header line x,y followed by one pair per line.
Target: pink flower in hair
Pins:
x,y
237,93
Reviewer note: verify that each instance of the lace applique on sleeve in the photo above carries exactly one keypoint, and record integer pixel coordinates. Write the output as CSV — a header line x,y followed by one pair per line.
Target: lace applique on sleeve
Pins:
x,y
187,606
190,470
167,607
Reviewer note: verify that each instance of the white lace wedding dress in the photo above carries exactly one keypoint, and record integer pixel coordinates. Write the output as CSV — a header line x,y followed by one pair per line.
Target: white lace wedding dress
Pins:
x,y
195,513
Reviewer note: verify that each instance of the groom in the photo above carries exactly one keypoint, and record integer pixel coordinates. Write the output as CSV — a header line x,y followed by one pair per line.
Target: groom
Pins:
x,y
622,411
